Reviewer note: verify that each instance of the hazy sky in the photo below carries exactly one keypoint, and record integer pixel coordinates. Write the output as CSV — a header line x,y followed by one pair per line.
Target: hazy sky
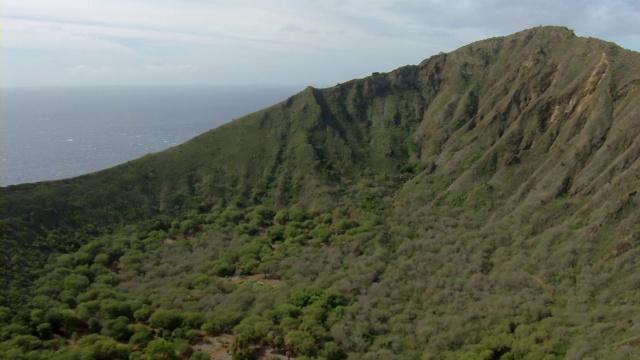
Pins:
x,y
319,43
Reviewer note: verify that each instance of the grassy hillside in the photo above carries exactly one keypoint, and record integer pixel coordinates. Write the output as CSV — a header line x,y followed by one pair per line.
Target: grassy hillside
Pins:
x,y
482,204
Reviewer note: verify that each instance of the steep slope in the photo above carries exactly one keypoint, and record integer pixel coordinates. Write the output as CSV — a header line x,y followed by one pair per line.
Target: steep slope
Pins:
x,y
503,176
513,97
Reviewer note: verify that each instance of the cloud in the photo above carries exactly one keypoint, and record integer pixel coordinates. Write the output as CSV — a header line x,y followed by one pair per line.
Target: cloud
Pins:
x,y
303,24
171,68
46,35
611,17
203,23
38,34
305,41
90,70
621,18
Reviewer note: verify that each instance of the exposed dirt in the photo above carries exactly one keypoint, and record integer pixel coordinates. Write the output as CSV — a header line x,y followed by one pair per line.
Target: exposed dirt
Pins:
x,y
219,348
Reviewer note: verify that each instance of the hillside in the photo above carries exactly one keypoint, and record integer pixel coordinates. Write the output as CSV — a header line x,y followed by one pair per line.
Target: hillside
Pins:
x,y
482,204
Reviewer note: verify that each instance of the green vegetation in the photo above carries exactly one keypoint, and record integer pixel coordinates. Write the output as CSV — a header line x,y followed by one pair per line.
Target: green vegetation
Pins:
x,y
480,205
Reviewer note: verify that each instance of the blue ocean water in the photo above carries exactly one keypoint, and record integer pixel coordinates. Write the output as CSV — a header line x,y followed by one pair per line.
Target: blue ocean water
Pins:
x,y
55,133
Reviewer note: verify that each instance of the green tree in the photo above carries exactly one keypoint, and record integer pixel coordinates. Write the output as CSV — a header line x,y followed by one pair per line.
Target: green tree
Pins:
x,y
301,342
331,351
241,349
102,259
321,232
5,315
282,217
161,349
261,215
76,283
102,348
44,330
166,319
143,313
222,268
117,328
188,227
112,309
142,334
199,355
276,232
183,349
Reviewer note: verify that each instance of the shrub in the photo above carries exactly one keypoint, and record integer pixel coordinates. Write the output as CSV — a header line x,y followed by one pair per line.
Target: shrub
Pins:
x,y
276,232
143,313
301,342
142,335
44,330
161,349
117,328
166,319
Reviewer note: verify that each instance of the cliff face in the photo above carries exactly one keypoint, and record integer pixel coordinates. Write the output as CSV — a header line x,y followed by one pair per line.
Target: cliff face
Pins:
x,y
534,117
510,168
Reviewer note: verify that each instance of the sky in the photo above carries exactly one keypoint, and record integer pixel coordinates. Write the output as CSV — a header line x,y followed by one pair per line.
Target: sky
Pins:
x,y
298,42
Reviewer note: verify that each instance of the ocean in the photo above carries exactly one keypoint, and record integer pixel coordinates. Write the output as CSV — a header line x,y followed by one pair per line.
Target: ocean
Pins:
x,y
54,133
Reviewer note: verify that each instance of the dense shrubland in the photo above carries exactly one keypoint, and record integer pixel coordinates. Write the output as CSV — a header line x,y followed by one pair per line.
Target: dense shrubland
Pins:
x,y
320,285
160,286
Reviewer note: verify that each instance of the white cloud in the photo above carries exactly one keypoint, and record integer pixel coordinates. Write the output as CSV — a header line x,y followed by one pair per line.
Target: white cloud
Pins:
x,y
91,70
37,34
305,41
45,35
242,21
171,68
